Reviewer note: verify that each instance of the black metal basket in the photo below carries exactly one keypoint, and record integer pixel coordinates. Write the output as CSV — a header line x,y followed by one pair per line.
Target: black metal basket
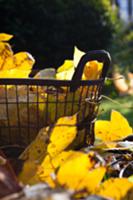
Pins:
x,y
34,103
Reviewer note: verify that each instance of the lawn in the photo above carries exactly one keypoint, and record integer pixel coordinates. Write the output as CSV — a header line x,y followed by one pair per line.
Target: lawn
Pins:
x,y
123,104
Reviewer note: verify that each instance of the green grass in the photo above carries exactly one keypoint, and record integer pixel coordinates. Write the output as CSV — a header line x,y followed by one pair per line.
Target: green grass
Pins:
x,y
122,103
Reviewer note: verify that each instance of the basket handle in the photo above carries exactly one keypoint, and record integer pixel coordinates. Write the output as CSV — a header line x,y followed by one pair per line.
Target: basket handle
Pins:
x,y
99,55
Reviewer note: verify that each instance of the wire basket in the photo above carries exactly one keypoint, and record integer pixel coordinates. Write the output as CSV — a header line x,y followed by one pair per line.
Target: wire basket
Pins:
x,y
27,105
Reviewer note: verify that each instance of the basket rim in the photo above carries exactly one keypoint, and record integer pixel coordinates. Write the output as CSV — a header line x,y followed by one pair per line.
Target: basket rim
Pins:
x,y
48,82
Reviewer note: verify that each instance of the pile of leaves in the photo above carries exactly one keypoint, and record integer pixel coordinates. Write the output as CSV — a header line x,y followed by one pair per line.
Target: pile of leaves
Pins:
x,y
51,164
51,168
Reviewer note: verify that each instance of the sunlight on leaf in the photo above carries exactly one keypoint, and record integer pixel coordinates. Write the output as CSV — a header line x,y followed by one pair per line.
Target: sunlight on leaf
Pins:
x,y
5,37
68,64
62,135
117,188
12,65
77,56
77,173
17,66
115,129
5,53
46,151
66,71
49,166
92,70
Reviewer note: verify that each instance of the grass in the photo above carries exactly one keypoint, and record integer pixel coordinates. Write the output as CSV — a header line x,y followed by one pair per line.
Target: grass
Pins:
x,y
120,104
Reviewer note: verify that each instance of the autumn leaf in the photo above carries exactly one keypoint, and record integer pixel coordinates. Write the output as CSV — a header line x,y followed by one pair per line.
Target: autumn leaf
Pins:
x,y
5,37
12,65
62,135
117,188
36,151
92,70
66,71
51,141
77,56
5,53
68,64
27,173
48,145
115,129
77,173
93,179
8,180
50,165
17,66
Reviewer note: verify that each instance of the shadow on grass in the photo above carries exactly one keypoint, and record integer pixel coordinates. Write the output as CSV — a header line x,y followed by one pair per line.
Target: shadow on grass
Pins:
x,y
124,102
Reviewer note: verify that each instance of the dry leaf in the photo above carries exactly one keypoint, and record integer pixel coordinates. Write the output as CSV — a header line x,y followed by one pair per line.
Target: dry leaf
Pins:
x,y
77,172
36,151
17,66
27,173
77,56
8,180
5,37
40,152
92,70
117,188
5,53
115,129
62,135
50,165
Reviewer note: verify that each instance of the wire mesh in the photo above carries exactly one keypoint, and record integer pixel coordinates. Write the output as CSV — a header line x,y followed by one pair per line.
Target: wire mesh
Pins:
x,y
27,105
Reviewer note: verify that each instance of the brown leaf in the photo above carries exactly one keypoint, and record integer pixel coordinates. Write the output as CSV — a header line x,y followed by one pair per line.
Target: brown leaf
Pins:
x,y
8,180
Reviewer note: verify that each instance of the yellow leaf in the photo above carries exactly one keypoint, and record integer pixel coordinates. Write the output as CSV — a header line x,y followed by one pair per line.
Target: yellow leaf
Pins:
x,y
17,66
72,172
40,151
5,53
93,179
62,157
115,129
45,171
66,71
77,172
77,56
5,37
117,188
92,70
28,170
68,64
62,135
36,151
50,165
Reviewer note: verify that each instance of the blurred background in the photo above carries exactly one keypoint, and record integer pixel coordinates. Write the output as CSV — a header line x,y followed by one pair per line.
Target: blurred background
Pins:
x,y
49,30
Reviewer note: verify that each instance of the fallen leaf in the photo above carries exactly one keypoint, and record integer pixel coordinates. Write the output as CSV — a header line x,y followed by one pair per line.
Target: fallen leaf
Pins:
x,y
8,180
115,129
77,172
117,188
62,135
50,165
37,150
